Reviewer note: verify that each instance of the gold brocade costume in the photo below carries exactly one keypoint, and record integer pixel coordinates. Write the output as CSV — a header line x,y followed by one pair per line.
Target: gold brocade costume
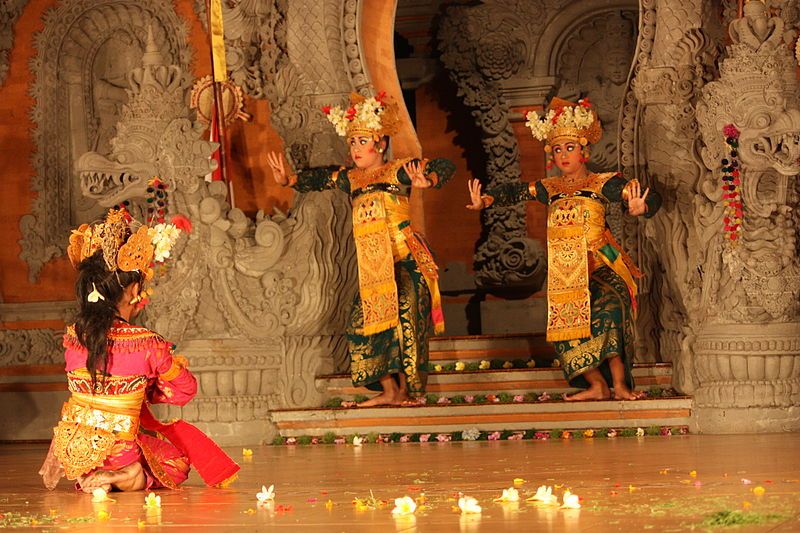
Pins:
x,y
577,237
383,236
91,424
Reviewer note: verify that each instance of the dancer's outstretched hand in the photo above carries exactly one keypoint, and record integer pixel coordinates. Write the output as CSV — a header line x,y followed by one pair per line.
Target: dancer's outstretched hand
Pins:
x,y
636,202
418,179
475,195
278,167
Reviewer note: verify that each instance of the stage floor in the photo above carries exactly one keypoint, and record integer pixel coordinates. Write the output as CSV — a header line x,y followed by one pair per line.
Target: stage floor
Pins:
x,y
625,484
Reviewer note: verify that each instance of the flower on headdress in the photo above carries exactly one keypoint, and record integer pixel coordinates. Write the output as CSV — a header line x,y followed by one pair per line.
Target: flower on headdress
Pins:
x,y
404,506
95,295
469,505
577,117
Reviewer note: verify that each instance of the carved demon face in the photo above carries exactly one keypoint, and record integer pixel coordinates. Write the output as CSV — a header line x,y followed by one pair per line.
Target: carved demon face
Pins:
x,y
775,146
124,173
173,151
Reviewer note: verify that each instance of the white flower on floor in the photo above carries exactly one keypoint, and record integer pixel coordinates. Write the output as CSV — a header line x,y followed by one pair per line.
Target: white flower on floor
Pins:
x,y
469,505
152,501
404,506
571,501
544,496
100,495
266,494
358,441
509,495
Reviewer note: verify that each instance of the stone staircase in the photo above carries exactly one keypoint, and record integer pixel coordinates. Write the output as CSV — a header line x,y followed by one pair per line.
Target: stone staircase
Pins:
x,y
521,397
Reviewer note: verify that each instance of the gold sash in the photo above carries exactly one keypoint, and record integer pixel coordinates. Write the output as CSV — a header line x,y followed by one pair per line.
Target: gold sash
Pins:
x,y
575,228
383,235
376,282
568,304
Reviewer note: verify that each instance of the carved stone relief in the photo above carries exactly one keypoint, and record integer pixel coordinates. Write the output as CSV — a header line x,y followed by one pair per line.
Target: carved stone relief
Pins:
x,y
713,293
83,54
10,10
594,62
481,46
30,347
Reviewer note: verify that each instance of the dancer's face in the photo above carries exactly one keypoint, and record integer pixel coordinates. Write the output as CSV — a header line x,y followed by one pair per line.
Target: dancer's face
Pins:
x,y
364,151
567,157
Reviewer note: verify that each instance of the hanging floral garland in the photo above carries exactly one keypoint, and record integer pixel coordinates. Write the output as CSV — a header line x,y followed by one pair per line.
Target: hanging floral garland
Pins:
x,y
731,181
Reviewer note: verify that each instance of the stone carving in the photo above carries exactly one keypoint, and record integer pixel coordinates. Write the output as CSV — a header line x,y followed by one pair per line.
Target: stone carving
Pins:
x,y
154,137
482,45
30,346
83,52
9,12
259,306
729,314
289,53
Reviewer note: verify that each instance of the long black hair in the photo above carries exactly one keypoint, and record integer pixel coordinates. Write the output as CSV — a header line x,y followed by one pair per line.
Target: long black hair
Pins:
x,y
96,318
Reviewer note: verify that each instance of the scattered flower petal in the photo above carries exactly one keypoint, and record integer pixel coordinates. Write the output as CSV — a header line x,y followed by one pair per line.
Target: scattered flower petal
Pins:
x,y
544,496
746,481
693,473
509,495
759,491
247,452
404,506
100,495
266,494
469,505
151,501
571,501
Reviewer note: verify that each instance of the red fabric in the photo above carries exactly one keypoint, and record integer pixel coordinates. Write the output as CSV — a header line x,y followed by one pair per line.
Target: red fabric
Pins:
x,y
213,464
216,175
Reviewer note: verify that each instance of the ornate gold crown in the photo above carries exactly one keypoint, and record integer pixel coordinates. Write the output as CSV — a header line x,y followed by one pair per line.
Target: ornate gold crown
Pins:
x,y
127,244
376,116
566,121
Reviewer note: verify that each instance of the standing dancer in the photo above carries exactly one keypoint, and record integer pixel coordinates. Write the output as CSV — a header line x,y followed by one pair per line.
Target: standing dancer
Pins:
x,y
115,370
398,299
591,291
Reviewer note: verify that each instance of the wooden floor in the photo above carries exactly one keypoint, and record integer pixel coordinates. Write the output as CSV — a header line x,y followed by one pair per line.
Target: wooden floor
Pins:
x,y
630,484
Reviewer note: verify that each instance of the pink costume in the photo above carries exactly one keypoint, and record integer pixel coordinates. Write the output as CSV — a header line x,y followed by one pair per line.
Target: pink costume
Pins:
x,y
103,430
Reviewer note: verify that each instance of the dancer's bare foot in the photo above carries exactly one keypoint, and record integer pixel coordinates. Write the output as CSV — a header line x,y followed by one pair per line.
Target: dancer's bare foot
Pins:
x,y
595,392
402,398
384,398
622,392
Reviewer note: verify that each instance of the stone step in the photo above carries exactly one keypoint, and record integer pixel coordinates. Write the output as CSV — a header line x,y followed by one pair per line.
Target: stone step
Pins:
x,y
479,347
516,381
674,411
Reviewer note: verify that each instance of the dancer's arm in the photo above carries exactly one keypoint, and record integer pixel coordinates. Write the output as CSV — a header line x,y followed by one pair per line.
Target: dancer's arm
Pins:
x,y
173,382
635,201
315,179
426,173
505,194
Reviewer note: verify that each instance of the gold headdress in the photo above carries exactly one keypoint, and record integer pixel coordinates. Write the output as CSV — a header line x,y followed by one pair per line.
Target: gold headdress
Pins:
x,y
376,116
127,245
566,121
